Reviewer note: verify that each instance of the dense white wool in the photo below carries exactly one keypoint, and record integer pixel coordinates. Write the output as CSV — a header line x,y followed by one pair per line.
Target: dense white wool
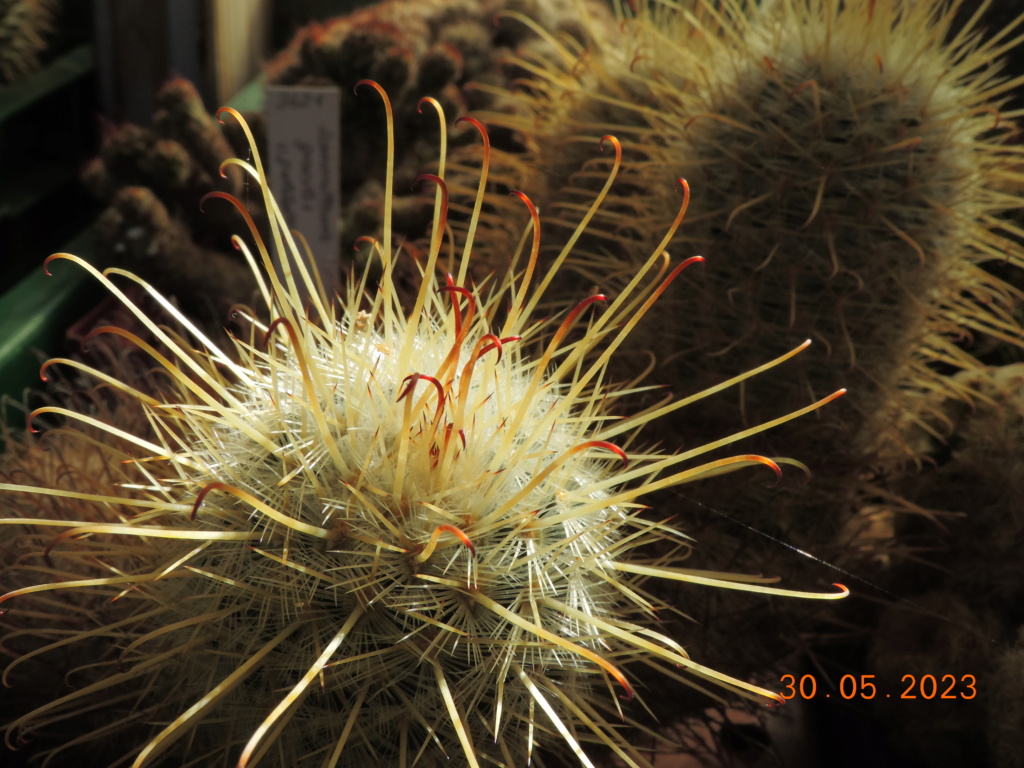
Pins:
x,y
371,536
368,421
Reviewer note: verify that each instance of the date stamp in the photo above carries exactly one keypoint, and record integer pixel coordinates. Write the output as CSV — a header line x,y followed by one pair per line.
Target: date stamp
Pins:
x,y
865,687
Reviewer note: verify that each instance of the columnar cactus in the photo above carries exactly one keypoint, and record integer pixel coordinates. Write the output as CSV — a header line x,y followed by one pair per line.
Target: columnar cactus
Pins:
x,y
852,171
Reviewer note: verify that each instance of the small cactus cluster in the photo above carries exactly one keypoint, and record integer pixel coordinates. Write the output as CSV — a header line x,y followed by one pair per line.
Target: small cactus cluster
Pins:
x,y
360,535
152,180
178,158
452,51
852,171
25,26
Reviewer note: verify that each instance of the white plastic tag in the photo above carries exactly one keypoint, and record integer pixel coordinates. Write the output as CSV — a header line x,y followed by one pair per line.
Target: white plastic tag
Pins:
x,y
304,135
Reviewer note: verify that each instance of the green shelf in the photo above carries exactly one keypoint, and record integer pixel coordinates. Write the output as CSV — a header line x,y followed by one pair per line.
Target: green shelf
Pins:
x,y
36,313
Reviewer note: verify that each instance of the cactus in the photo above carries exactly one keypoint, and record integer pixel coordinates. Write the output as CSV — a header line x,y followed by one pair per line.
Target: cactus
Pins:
x,y
25,26
851,167
369,536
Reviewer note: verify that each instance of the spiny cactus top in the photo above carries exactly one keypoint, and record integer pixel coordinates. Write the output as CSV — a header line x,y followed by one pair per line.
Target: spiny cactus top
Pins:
x,y
358,535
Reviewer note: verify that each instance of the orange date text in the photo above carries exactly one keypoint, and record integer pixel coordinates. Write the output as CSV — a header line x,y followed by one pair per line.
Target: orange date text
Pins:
x,y
866,687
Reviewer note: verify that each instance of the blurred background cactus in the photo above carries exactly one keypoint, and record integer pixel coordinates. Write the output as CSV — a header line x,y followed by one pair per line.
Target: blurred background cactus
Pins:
x,y
1006,719
77,461
853,169
25,28
152,180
